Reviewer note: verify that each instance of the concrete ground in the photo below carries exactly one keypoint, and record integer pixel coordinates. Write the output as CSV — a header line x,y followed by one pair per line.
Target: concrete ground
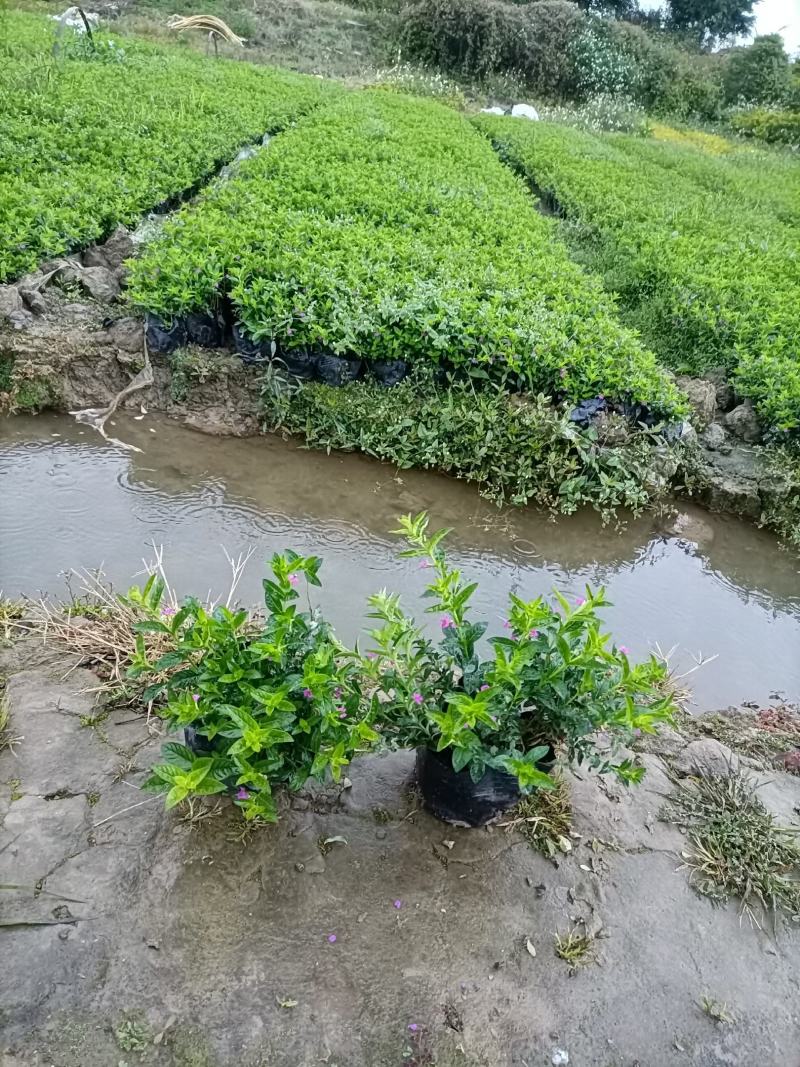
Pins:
x,y
151,937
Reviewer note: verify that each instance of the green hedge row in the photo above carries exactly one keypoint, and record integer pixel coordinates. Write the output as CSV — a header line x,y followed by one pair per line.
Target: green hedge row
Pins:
x,y
774,127
708,277
384,227
92,139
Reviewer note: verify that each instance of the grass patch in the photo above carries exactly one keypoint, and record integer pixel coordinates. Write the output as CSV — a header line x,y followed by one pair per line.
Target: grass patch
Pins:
x,y
544,818
736,847
717,1010
576,947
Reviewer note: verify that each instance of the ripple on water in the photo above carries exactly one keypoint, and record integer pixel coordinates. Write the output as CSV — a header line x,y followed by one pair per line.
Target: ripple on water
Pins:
x,y
701,583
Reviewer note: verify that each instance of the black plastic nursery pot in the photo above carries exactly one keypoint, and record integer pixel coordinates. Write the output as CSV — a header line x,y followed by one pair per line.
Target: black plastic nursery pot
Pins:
x,y
162,336
389,372
300,363
204,328
201,746
337,370
248,350
453,796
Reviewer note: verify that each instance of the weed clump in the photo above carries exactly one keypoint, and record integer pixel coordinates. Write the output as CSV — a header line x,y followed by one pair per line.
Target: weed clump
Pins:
x,y
736,847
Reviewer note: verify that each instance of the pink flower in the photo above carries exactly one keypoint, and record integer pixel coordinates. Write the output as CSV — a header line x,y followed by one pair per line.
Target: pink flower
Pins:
x,y
533,633
332,939
308,694
417,698
167,610
484,687
242,794
446,622
293,579
506,624
580,602
398,904
195,697
342,714
413,1027
425,564
624,650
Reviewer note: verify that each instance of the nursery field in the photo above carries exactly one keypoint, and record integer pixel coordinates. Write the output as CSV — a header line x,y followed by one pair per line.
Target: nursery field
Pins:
x,y
384,228
92,139
702,250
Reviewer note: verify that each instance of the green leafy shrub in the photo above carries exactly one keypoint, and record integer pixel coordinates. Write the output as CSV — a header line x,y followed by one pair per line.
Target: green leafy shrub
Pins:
x,y
516,450
553,679
758,74
773,127
708,276
478,37
87,143
383,227
272,704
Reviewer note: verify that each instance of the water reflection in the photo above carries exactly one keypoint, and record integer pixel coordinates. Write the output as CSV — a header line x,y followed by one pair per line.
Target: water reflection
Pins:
x,y
704,583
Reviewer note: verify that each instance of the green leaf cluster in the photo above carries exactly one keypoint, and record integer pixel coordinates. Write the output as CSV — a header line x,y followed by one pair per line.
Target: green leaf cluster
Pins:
x,y
384,227
553,678
87,144
703,252
274,704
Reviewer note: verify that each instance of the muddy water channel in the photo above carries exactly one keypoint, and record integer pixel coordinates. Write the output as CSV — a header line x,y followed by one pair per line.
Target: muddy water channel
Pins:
x,y
705,584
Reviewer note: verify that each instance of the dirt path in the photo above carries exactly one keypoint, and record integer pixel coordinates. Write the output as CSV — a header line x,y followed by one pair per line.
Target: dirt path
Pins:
x,y
167,941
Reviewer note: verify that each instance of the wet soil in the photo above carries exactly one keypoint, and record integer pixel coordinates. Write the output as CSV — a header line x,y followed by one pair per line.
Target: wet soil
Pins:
x,y
681,577
157,939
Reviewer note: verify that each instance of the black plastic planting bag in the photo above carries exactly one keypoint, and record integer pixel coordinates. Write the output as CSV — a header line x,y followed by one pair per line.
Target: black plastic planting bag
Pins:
x,y
455,798
164,336
337,370
300,363
201,746
389,372
203,328
248,350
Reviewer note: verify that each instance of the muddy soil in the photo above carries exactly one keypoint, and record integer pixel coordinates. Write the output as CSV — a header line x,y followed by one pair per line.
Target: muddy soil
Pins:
x,y
160,938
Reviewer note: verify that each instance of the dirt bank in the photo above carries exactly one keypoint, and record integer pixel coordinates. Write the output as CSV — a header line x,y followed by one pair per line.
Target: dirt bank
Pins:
x,y
164,938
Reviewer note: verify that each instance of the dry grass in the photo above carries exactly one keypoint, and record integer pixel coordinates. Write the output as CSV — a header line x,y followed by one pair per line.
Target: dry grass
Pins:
x,y
737,848
96,624
544,818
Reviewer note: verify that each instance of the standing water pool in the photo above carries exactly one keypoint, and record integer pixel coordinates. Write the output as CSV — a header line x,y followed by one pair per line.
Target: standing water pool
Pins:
x,y
706,585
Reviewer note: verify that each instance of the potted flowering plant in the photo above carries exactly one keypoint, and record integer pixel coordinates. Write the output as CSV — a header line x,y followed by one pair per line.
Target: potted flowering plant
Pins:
x,y
261,705
485,727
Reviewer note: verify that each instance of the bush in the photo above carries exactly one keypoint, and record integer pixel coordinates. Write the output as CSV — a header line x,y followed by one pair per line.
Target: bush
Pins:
x,y
271,704
88,143
552,678
759,74
706,268
773,127
383,227
479,37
